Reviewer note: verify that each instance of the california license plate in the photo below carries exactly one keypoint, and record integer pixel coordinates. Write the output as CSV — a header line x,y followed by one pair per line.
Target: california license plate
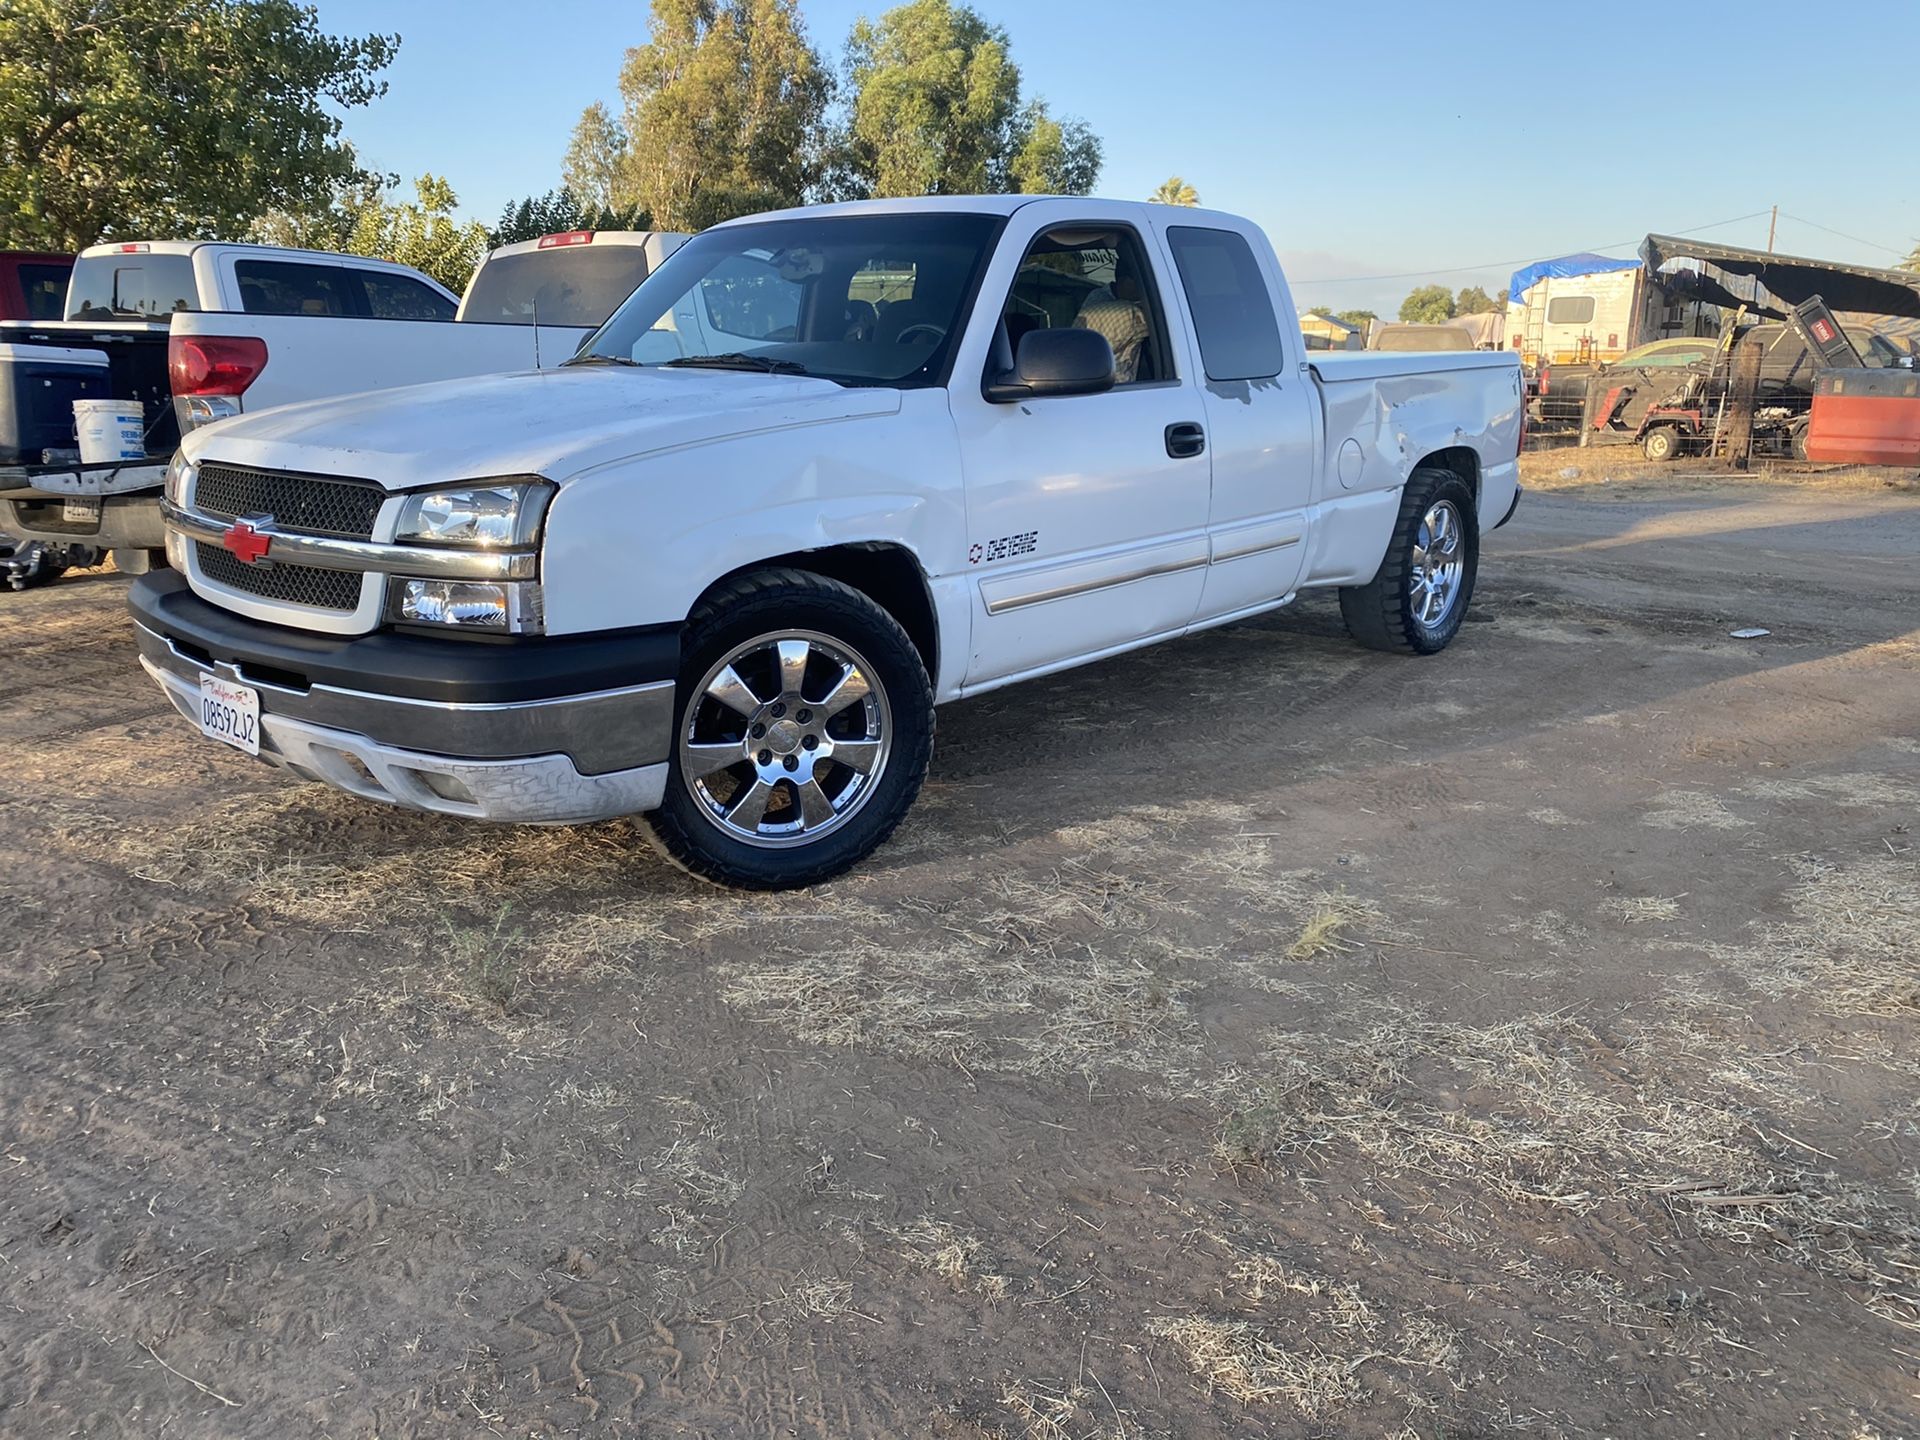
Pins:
x,y
230,713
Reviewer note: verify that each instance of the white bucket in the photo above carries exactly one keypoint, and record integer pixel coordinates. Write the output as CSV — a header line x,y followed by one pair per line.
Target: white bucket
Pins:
x,y
110,430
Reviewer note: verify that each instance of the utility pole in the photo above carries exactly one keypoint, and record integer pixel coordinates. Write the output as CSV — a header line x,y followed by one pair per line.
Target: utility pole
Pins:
x,y
1770,224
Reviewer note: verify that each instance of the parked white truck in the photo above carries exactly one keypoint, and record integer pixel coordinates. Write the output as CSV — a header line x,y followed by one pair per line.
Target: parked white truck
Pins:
x,y
826,469
198,331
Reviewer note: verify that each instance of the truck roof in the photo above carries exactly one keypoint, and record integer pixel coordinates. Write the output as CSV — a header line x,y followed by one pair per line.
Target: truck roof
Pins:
x,y
270,252
567,239
973,205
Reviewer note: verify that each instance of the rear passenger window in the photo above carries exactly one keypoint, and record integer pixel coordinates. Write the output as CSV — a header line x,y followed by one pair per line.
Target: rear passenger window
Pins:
x,y
280,287
1232,308
395,297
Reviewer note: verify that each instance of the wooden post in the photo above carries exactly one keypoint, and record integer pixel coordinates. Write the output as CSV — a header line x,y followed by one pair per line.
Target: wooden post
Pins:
x,y
1743,385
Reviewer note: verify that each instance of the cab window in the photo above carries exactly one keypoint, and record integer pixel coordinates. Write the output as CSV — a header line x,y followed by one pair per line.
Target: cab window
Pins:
x,y
1093,278
396,297
279,287
1232,308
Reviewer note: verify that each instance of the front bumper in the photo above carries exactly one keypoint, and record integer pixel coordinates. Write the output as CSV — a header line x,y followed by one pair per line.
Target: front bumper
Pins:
x,y
547,730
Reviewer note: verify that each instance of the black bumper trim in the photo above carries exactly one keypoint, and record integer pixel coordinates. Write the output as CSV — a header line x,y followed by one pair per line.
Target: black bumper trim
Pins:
x,y
469,671
1518,491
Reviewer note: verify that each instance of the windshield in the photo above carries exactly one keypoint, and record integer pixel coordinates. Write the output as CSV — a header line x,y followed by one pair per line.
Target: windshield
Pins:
x,y
563,285
130,286
1668,352
860,299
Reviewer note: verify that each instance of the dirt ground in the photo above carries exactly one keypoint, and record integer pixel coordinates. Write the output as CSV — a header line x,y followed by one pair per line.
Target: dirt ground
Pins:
x,y
1250,1037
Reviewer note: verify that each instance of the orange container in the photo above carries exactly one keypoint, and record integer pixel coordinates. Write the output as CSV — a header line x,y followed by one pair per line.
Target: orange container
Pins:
x,y
1865,417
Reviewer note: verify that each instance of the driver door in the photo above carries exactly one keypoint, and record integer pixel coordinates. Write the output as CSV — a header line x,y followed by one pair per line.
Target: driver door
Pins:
x,y
1086,514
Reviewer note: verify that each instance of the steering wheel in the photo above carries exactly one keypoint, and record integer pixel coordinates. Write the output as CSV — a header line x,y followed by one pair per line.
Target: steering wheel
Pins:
x,y
936,332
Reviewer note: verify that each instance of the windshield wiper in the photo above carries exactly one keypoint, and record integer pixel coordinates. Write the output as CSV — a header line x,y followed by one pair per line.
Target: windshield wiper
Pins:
x,y
599,360
736,360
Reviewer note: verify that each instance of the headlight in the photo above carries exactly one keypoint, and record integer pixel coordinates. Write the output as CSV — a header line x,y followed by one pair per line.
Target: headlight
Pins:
x,y
179,471
483,517
510,607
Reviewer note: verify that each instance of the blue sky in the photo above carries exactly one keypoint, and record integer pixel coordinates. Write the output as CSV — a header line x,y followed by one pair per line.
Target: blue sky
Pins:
x,y
1370,139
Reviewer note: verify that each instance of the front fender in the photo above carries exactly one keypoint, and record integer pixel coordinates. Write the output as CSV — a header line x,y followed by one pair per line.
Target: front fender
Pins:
x,y
637,543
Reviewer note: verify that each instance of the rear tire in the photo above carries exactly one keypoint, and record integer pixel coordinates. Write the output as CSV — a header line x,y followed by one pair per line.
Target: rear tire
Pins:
x,y
803,726
1437,535
1661,443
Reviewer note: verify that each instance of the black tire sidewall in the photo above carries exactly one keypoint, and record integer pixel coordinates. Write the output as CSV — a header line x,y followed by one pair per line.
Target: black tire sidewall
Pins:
x,y
1424,489
842,614
1668,436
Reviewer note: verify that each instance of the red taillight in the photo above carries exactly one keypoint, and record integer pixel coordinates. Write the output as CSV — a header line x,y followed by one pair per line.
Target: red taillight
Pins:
x,y
214,364
1546,379
566,237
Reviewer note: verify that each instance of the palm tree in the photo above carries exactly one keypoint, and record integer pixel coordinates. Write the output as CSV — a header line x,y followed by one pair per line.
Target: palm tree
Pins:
x,y
1175,191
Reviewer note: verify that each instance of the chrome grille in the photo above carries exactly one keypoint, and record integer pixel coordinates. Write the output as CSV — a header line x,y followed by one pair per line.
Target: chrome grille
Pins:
x,y
301,504
295,584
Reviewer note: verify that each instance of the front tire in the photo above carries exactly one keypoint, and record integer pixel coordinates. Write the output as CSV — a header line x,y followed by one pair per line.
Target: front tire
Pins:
x,y
1417,601
803,726
1661,444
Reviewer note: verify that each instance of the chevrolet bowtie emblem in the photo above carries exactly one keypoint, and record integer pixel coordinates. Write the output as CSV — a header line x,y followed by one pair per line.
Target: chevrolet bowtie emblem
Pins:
x,y
248,544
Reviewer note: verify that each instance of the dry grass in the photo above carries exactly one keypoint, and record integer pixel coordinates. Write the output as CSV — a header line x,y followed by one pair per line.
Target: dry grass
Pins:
x,y
1332,917
938,1248
1853,944
688,1181
1641,909
1545,1109
1242,1361
1063,1412
815,1298
1692,810
487,958
1062,975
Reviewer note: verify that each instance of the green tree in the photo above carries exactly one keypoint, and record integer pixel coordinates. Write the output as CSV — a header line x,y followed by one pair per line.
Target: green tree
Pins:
x,y
1052,157
1427,305
328,225
1175,191
171,117
422,233
935,109
1474,301
559,210
723,110
1359,318
594,166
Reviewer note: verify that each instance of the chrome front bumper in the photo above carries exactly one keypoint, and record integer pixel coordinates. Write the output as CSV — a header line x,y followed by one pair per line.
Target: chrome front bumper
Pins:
x,y
554,761
526,790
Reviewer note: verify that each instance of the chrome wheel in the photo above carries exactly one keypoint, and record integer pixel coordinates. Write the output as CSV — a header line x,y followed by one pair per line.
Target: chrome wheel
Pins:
x,y
785,738
1439,560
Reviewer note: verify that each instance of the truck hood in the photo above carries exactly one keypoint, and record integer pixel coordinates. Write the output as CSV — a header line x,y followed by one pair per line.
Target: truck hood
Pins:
x,y
557,423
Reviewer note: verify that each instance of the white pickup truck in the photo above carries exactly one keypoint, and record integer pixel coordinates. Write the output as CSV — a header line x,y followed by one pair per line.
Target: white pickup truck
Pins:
x,y
199,331
826,469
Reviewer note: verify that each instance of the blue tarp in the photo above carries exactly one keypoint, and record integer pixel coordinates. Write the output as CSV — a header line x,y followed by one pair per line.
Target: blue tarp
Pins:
x,y
1583,264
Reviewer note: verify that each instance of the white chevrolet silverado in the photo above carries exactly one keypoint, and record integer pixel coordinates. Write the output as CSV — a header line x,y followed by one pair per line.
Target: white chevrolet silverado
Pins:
x,y
824,470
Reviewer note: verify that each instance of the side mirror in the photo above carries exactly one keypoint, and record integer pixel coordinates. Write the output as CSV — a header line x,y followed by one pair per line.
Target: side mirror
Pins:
x,y
1055,362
